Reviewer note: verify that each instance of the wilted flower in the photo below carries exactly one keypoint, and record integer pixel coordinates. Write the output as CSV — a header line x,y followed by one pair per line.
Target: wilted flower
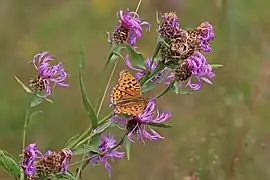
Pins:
x,y
169,26
162,76
196,67
140,125
128,29
49,74
104,149
37,165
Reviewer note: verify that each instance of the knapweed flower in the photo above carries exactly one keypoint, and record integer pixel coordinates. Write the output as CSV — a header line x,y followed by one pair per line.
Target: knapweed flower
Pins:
x,y
169,26
141,72
128,29
48,74
37,165
104,149
195,67
140,125
201,36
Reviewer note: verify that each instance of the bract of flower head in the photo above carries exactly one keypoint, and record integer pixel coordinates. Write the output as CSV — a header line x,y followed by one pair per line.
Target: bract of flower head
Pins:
x,y
129,28
37,165
49,73
194,70
139,125
106,144
169,26
162,76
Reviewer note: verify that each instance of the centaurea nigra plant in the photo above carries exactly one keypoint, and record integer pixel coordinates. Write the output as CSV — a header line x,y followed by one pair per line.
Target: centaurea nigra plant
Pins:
x,y
178,62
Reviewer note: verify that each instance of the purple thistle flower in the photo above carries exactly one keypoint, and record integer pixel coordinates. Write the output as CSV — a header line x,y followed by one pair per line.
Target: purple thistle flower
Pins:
x,y
128,29
196,67
31,153
206,35
139,125
107,143
163,76
35,164
48,75
169,26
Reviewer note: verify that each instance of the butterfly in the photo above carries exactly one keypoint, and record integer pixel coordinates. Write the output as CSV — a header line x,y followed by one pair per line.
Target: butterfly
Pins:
x,y
126,96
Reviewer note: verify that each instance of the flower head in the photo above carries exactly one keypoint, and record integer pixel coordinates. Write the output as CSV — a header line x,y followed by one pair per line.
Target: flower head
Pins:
x,y
196,67
48,74
169,26
107,143
36,165
162,76
140,125
128,29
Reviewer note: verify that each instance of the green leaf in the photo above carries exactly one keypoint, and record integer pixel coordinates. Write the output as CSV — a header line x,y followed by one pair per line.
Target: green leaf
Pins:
x,y
67,176
8,162
26,88
179,91
88,107
31,116
36,101
127,147
136,58
114,53
169,87
71,140
92,147
162,125
214,66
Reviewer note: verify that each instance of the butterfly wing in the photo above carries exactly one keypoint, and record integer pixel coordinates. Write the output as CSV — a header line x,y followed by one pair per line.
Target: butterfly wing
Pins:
x,y
132,107
127,96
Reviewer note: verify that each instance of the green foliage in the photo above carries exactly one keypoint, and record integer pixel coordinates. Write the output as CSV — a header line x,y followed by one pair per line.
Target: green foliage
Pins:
x,y
88,107
127,145
9,163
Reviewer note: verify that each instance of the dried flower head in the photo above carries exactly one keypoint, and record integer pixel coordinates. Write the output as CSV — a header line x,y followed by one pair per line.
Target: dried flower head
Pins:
x,y
139,125
169,25
49,74
128,29
105,152
196,67
37,165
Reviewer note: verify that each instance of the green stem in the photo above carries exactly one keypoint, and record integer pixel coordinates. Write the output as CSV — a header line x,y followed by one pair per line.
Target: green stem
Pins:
x,y
24,140
148,78
169,87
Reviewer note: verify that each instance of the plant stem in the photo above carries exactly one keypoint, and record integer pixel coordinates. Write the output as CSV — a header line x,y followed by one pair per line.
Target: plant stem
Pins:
x,y
98,111
26,118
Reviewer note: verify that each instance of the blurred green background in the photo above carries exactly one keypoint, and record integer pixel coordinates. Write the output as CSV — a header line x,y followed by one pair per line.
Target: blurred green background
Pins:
x,y
221,121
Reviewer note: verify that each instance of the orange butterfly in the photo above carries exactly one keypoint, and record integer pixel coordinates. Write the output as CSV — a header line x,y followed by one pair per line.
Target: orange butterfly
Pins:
x,y
126,96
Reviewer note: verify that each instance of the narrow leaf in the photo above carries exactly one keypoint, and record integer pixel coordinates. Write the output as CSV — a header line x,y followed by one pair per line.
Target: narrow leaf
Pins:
x,y
26,88
179,91
88,107
114,53
8,162
33,115
136,58
127,147
71,140
36,101
67,176
214,66
161,125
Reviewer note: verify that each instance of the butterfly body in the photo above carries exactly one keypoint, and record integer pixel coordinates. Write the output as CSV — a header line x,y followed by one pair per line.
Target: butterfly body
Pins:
x,y
126,96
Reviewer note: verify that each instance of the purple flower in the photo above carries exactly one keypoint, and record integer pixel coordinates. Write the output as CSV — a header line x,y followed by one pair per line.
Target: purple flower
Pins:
x,y
107,142
169,26
128,29
195,67
35,164
162,76
49,74
139,125
206,35
30,155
